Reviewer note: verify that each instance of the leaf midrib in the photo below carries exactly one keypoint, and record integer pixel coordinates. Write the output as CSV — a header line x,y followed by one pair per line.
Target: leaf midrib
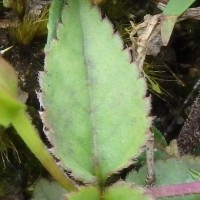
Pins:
x,y
91,108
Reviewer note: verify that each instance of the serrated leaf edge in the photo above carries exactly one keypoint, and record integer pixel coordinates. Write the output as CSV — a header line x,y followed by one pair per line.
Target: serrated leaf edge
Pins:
x,y
140,189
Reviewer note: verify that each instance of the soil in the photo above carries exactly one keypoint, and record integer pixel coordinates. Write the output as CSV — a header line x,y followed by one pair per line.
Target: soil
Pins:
x,y
180,62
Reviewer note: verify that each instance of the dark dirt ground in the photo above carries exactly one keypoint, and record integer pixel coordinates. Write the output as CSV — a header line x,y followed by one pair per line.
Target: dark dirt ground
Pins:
x,y
179,62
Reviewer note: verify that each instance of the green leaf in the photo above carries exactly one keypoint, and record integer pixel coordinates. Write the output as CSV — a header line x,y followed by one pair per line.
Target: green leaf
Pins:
x,y
9,104
167,26
154,86
85,193
177,7
54,17
159,139
119,191
170,14
169,172
9,107
8,77
126,191
45,190
95,106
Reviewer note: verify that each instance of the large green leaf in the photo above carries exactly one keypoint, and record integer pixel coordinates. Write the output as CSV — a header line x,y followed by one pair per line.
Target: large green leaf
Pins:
x,y
169,172
95,106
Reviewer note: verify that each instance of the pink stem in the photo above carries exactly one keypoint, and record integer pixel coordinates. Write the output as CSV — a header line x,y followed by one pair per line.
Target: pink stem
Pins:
x,y
176,190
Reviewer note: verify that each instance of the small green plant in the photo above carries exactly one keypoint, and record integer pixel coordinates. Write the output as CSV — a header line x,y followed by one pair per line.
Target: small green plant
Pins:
x,y
32,20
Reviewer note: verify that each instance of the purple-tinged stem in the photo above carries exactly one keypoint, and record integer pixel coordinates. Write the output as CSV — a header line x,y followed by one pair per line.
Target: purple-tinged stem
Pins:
x,y
176,190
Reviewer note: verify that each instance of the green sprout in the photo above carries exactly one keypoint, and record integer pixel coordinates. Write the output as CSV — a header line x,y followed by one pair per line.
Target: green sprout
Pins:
x,y
153,78
31,27
32,20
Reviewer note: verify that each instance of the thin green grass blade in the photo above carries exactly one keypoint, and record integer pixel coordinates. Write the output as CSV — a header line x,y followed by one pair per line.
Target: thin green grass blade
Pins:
x,y
170,14
177,7
167,26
